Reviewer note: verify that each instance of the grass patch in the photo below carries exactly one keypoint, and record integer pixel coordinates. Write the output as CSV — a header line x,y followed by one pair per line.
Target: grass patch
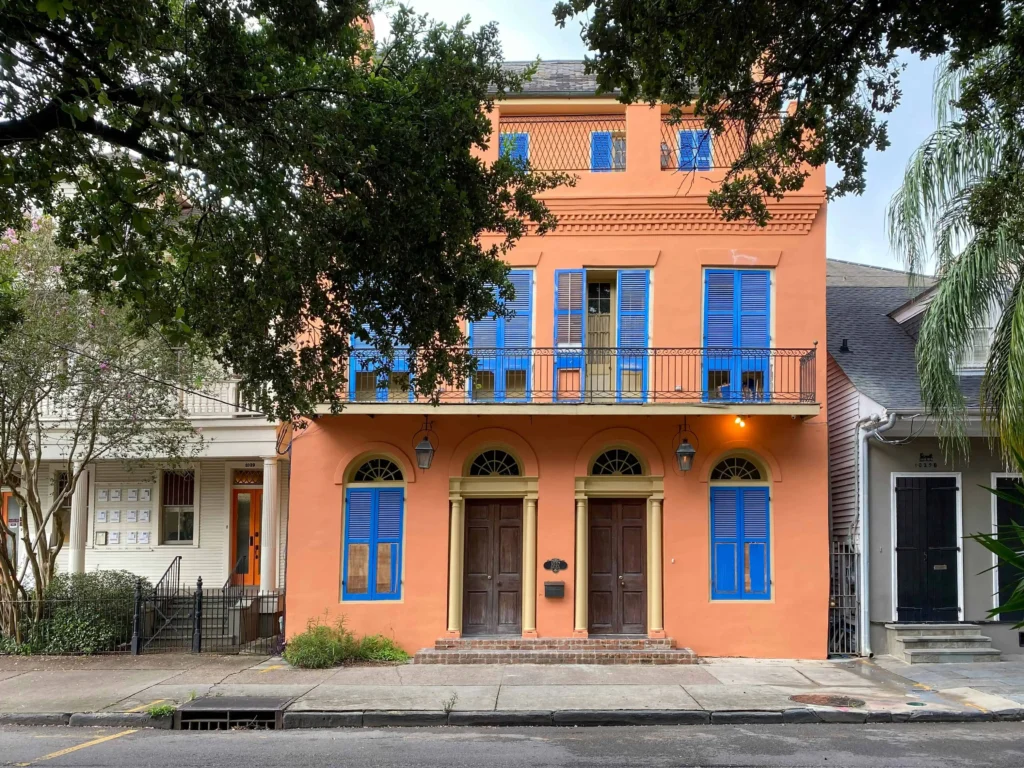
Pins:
x,y
330,645
160,711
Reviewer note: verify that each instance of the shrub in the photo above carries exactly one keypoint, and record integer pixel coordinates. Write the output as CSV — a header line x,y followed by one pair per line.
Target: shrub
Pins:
x,y
330,645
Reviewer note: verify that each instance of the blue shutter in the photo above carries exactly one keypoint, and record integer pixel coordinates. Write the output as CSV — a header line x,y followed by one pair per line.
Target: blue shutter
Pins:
x,y
737,314
633,301
725,549
359,503
703,150
517,333
687,151
754,296
756,551
390,502
719,329
601,151
515,146
569,305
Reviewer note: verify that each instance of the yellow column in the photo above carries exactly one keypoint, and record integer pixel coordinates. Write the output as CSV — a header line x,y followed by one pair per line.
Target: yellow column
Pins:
x,y
455,560
656,618
530,569
582,581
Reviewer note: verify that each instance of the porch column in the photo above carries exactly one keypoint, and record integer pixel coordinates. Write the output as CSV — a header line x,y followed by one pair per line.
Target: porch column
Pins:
x,y
269,523
455,557
530,569
656,623
582,580
79,526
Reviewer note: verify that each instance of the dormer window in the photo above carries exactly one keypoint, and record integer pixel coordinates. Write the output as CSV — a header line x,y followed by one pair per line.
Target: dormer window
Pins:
x,y
976,355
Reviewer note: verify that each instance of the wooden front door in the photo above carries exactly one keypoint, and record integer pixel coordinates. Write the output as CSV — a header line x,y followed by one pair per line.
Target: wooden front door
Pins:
x,y
927,549
618,566
247,512
493,573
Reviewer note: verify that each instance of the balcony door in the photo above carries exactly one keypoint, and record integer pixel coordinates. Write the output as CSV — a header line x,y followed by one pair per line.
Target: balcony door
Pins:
x,y
737,334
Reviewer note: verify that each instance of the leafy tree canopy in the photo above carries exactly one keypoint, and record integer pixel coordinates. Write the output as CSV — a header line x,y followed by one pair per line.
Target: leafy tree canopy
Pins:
x,y
746,60
255,174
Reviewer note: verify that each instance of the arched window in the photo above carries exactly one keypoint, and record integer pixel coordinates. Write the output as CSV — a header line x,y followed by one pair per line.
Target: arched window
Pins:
x,y
617,462
494,463
736,468
376,471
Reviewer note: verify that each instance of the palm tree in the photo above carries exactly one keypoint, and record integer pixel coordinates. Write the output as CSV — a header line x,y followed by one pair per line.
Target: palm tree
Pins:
x,y
932,225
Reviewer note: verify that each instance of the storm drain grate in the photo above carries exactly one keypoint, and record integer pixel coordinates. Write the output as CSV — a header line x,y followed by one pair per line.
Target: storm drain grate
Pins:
x,y
826,700
225,713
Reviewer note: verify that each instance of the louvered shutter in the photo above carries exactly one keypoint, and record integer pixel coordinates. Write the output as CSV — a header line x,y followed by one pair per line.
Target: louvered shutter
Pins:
x,y
756,554
754,296
569,302
601,151
359,503
725,549
515,375
719,308
387,550
515,146
702,151
633,301
687,150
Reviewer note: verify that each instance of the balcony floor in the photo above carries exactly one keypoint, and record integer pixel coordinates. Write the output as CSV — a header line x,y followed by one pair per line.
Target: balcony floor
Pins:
x,y
804,410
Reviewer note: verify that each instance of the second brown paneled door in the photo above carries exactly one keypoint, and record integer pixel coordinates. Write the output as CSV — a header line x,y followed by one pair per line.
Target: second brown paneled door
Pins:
x,y
618,566
493,573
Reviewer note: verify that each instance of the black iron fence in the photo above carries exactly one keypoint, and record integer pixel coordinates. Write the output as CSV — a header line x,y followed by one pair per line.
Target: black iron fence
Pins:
x,y
566,375
170,618
844,601
566,142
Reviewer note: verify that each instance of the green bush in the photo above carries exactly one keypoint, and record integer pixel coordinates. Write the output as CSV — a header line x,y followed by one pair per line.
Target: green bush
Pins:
x,y
326,645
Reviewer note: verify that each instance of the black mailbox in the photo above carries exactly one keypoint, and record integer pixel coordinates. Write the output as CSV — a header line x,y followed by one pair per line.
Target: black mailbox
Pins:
x,y
554,589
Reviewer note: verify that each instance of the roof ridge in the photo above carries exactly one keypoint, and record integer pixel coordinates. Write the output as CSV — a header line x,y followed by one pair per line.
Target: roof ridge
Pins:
x,y
875,266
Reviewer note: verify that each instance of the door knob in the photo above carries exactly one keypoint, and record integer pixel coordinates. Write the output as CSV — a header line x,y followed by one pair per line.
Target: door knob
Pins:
x,y
488,577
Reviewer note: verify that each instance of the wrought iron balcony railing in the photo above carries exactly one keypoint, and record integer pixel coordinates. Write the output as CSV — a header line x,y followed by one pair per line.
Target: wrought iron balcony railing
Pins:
x,y
566,142
615,375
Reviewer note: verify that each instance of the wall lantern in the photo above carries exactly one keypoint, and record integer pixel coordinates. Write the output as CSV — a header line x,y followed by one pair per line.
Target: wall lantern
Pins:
x,y
424,448
685,451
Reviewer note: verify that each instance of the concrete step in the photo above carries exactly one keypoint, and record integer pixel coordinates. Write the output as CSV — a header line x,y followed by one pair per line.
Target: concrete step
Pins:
x,y
911,630
566,656
514,643
920,642
951,655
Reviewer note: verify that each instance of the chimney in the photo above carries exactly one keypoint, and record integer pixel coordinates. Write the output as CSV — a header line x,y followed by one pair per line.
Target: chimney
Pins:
x,y
845,346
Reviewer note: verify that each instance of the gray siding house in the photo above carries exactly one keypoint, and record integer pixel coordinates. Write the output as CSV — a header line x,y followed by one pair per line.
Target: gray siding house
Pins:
x,y
899,507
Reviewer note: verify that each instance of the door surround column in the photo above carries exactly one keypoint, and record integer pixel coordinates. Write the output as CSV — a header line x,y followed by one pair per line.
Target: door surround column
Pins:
x,y
78,528
269,522
462,488
650,487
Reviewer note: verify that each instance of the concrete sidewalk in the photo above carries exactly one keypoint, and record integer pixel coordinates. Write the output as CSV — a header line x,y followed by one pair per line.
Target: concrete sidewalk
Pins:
x,y
718,690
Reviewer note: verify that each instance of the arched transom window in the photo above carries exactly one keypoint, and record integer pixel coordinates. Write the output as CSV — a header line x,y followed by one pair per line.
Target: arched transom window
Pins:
x,y
736,468
494,463
617,462
377,471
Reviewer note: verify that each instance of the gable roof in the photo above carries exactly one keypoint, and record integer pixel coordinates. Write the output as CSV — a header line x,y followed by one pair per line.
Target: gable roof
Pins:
x,y
881,361
555,78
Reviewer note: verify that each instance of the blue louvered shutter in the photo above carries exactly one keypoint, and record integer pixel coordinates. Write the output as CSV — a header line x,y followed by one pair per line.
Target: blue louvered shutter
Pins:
x,y
754,297
756,545
702,151
719,308
516,339
387,550
359,503
632,342
362,362
515,146
725,544
601,151
569,303
687,150
484,342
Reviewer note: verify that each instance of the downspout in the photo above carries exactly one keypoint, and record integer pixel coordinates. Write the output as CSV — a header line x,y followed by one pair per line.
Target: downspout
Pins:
x,y
866,428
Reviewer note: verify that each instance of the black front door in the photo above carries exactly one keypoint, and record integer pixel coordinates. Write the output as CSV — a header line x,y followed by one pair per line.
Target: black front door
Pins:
x,y
927,548
1008,513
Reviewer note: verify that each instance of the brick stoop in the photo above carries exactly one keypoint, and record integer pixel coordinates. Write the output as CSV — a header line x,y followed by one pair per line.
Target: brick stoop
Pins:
x,y
555,650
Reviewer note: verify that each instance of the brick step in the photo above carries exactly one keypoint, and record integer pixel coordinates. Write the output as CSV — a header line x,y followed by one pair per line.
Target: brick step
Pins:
x,y
563,656
554,644
951,655
920,642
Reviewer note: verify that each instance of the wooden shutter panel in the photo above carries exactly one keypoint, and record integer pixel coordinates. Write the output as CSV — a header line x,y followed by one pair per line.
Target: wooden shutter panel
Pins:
x,y
518,327
719,308
601,151
483,334
756,550
687,150
568,307
702,150
515,146
725,554
754,298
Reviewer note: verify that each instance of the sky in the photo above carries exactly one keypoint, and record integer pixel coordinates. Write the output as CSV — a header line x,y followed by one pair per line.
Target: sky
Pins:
x,y
856,224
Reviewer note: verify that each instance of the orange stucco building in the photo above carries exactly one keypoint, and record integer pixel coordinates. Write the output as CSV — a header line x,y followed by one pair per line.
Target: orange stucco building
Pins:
x,y
643,452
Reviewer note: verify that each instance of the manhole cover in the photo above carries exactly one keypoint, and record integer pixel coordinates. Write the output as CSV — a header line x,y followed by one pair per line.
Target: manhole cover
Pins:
x,y
826,700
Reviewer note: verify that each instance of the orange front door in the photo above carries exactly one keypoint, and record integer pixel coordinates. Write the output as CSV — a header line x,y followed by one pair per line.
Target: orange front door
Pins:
x,y
246,513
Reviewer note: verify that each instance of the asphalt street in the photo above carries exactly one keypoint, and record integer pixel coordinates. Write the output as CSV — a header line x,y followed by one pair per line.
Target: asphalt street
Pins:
x,y
994,745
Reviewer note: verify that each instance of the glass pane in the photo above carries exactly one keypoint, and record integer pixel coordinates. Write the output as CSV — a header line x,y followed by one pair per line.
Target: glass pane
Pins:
x,y
753,383
483,385
515,384
186,521
718,383
169,523
384,567
242,509
398,386
357,579
366,386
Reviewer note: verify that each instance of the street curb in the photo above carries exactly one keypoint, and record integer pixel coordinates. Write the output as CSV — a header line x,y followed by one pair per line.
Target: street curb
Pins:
x,y
589,717
746,718
493,718
35,718
322,720
405,718
120,720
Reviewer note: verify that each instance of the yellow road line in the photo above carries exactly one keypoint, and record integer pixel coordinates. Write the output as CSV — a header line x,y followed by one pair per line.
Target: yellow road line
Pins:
x,y
146,706
271,667
69,750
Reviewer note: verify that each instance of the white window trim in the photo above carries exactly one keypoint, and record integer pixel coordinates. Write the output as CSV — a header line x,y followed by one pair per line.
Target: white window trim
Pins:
x,y
959,535
158,509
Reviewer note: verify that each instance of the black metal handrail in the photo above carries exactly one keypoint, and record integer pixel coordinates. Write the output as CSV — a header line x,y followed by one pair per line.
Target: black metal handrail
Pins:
x,y
607,375
162,598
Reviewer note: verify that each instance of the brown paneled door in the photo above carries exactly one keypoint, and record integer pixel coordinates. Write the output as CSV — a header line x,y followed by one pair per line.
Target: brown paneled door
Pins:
x,y
618,566
493,574
247,511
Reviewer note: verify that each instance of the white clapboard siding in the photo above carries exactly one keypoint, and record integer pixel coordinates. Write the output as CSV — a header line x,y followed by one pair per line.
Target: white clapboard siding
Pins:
x,y
843,415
